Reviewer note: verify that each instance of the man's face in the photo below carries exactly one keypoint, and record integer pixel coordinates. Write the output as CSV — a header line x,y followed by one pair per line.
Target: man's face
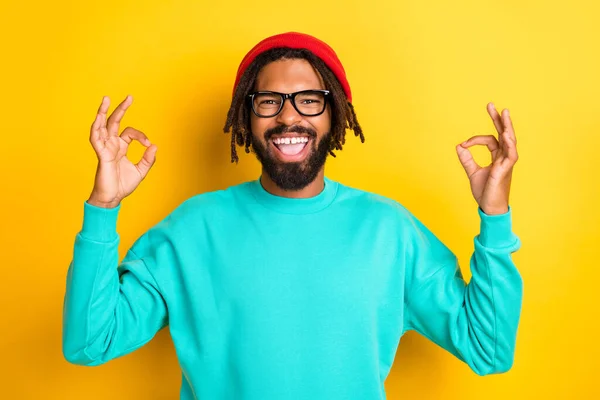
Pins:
x,y
291,166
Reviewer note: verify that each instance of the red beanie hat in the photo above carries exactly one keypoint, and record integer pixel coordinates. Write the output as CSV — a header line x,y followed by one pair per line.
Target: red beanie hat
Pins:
x,y
296,40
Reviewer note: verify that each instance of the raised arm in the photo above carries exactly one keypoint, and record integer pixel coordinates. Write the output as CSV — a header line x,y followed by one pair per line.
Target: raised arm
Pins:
x,y
111,309
476,322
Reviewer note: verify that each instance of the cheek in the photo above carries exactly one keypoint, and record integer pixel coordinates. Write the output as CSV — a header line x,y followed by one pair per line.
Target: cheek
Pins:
x,y
322,123
258,126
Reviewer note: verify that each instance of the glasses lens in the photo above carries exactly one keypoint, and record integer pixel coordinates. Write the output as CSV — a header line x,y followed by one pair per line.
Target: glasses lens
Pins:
x,y
267,104
310,103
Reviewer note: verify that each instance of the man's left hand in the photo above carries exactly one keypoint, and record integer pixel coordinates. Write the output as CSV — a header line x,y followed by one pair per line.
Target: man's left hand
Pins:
x,y
490,185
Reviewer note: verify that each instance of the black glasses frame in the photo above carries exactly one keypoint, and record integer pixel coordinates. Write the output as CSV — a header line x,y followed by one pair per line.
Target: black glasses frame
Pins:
x,y
292,97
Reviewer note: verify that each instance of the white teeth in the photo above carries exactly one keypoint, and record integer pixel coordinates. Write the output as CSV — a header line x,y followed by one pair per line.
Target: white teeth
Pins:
x,y
293,140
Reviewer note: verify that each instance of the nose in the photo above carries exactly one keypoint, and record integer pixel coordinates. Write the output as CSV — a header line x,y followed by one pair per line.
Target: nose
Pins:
x,y
288,115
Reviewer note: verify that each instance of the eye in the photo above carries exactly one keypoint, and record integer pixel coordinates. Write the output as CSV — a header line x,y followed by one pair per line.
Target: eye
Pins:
x,y
310,99
269,102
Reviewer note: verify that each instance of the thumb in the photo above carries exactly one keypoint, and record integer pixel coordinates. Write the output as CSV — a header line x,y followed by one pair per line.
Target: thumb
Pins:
x,y
147,160
466,159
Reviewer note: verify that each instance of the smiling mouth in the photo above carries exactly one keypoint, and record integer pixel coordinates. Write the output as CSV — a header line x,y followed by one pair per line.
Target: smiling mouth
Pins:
x,y
291,145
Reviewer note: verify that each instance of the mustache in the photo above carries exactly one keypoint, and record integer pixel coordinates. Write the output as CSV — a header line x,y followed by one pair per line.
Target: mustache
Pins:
x,y
281,129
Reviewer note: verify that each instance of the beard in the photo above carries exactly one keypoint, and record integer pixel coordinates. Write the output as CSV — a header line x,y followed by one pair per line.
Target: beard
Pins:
x,y
292,176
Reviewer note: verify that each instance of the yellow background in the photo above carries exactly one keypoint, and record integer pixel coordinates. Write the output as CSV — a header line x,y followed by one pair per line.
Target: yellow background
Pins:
x,y
421,74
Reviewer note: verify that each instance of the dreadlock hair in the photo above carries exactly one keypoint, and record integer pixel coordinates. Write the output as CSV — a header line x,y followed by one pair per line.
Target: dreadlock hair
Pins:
x,y
238,117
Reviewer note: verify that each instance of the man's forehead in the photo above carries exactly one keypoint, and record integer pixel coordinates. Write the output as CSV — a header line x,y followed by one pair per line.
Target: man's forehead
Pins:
x,y
289,75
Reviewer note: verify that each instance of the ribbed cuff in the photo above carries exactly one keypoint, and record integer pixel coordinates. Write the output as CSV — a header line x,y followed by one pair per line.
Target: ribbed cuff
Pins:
x,y
496,230
100,224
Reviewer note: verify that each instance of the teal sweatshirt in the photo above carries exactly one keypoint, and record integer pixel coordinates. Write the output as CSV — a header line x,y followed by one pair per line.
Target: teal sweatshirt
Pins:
x,y
268,297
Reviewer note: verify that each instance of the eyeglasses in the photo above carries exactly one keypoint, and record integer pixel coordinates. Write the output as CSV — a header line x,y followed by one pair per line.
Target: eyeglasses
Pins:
x,y
309,103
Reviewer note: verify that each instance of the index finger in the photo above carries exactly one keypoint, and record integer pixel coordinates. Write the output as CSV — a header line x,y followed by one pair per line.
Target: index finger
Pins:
x,y
489,141
117,115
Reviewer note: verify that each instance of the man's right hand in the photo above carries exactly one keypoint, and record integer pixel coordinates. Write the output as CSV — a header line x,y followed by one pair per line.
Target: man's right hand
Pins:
x,y
116,176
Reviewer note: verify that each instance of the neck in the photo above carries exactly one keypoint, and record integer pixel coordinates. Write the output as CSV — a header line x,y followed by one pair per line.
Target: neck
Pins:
x,y
312,190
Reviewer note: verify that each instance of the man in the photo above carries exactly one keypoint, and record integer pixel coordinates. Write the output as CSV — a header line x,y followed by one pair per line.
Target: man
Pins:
x,y
291,286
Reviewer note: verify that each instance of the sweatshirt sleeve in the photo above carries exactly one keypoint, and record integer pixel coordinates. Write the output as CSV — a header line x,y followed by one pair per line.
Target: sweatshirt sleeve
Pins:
x,y
110,309
477,322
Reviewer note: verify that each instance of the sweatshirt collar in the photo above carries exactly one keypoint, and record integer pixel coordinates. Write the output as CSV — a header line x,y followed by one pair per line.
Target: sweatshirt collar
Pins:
x,y
288,205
